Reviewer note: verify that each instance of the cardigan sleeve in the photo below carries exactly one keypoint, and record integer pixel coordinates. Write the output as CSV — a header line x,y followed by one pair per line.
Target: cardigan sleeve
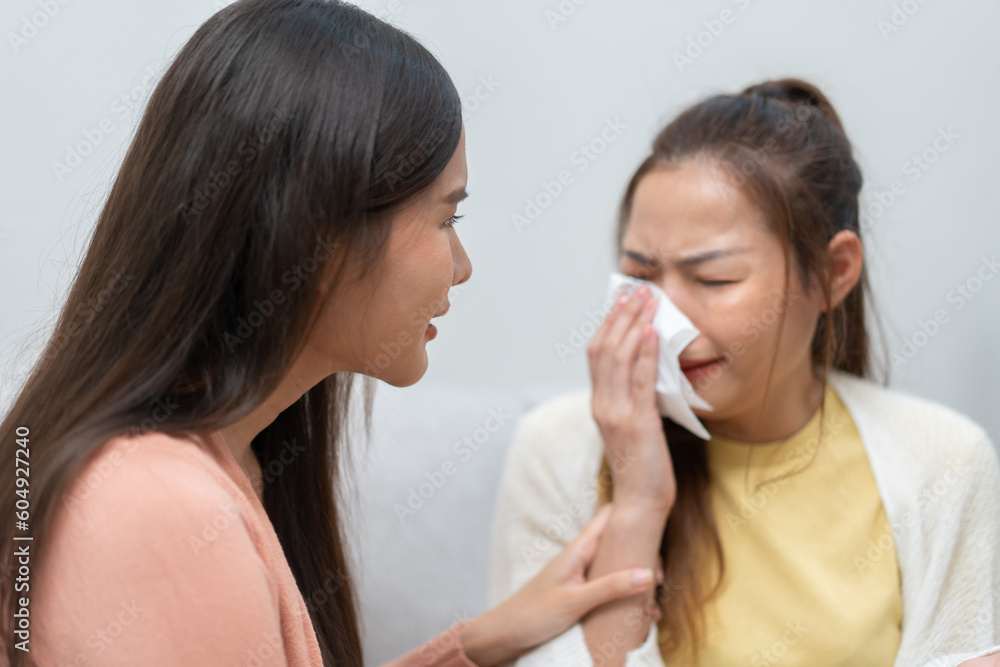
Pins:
x,y
548,493
445,650
956,610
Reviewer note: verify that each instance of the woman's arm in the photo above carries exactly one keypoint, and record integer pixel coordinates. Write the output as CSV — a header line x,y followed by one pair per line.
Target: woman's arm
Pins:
x,y
622,358
545,607
632,539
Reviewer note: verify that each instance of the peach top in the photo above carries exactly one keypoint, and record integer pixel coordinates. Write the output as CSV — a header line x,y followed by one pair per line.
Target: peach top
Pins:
x,y
162,554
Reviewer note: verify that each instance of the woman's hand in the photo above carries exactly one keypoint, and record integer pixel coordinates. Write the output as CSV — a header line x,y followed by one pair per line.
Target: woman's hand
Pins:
x,y
623,356
991,660
552,602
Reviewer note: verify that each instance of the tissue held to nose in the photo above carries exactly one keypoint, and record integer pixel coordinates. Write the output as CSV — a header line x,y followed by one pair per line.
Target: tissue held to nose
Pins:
x,y
674,394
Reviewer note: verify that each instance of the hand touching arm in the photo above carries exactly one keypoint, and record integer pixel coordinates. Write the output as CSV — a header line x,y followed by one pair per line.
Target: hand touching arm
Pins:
x,y
623,372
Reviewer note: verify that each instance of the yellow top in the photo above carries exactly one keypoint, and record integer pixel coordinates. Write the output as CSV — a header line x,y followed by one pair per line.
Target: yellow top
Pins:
x,y
811,575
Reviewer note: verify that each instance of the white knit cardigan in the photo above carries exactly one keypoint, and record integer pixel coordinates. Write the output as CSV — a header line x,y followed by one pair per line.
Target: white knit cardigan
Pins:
x,y
936,471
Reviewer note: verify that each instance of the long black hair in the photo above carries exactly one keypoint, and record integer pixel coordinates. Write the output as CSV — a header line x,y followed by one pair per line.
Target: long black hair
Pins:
x,y
281,126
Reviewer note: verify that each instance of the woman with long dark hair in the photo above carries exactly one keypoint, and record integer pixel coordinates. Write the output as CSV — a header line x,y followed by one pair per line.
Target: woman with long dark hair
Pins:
x,y
828,520
283,214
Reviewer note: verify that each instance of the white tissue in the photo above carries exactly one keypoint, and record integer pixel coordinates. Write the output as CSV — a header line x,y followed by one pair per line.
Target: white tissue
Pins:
x,y
674,394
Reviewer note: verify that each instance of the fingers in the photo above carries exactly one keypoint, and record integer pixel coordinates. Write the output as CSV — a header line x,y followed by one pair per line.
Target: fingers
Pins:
x,y
625,356
604,342
624,318
644,377
596,525
621,584
612,350
584,545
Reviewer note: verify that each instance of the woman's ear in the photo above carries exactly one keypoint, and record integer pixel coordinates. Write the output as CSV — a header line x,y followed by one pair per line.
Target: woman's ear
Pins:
x,y
846,260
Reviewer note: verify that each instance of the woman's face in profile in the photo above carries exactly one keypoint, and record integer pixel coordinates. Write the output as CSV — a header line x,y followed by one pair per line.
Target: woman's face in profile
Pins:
x,y
378,324
693,233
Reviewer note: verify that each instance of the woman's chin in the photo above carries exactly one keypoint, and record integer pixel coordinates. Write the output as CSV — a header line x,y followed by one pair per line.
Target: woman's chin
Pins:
x,y
400,375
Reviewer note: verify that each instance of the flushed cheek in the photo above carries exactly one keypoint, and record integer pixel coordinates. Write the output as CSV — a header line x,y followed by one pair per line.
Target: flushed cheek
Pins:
x,y
758,322
437,282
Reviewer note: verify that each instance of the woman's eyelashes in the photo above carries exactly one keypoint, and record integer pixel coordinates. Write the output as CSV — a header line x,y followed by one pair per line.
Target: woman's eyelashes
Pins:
x,y
452,220
648,276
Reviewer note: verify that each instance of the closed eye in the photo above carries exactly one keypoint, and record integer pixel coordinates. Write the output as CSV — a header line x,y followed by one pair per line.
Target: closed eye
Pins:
x,y
716,283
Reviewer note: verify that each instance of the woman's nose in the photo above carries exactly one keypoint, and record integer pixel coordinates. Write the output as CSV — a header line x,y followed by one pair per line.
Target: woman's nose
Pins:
x,y
463,266
678,295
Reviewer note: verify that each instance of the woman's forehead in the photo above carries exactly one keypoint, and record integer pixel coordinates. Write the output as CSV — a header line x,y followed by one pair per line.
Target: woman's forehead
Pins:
x,y
691,240
697,190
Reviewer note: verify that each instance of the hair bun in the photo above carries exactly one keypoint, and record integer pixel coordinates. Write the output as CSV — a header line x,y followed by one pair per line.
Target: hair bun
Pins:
x,y
768,91
796,91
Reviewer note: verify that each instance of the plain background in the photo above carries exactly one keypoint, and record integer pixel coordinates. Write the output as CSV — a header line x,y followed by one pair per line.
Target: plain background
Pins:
x,y
540,78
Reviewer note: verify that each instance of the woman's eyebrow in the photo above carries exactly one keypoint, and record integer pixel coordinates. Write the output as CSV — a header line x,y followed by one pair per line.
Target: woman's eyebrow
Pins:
x,y
456,196
691,260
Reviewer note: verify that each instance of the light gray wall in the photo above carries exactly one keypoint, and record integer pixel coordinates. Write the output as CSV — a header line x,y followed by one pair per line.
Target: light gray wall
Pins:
x,y
552,87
